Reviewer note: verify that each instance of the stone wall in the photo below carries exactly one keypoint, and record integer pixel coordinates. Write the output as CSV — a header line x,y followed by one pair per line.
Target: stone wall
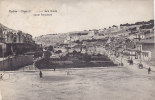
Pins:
x,y
16,62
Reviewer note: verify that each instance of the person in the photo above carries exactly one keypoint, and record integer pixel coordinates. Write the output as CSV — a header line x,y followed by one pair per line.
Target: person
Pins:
x,y
1,77
41,75
68,73
54,68
149,70
131,62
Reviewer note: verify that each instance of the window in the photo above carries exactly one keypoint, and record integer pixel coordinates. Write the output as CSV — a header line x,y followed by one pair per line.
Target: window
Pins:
x,y
14,39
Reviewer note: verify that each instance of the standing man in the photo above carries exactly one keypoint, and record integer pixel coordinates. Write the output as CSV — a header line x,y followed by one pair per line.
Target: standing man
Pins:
x,y
40,74
54,69
1,77
149,70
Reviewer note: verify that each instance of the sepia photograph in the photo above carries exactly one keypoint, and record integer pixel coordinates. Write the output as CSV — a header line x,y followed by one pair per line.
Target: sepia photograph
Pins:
x,y
77,50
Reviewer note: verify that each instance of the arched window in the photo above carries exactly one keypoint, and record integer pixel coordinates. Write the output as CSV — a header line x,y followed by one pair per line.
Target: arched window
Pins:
x,y
14,39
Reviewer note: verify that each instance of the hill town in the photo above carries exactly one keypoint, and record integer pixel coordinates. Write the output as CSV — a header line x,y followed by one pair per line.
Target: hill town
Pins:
x,y
106,47
130,42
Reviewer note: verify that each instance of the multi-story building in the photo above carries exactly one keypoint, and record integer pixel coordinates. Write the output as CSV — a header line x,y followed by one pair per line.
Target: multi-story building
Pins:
x,y
16,37
2,44
17,40
146,48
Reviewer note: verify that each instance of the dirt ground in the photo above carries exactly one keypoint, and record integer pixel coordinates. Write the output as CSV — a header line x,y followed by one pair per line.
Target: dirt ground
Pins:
x,y
100,83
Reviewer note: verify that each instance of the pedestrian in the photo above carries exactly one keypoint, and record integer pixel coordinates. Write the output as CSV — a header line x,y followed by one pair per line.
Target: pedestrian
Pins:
x,y
1,76
68,73
131,62
54,69
40,74
149,70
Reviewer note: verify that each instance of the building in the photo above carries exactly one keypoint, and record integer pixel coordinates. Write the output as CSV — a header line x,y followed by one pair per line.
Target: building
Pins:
x,y
130,49
146,49
2,44
91,49
2,49
15,42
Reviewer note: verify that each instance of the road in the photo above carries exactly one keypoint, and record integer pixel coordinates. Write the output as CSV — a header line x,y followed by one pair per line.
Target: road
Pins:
x,y
99,83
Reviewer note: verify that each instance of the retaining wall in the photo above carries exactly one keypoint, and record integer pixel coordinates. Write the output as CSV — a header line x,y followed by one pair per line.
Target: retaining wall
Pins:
x,y
16,62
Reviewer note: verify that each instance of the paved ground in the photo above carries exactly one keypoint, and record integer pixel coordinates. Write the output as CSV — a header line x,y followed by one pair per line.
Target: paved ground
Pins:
x,y
113,83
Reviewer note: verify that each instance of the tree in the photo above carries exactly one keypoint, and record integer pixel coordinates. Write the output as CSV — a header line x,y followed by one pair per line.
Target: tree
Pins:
x,y
75,52
147,26
50,48
87,58
114,26
47,54
151,21
38,54
77,41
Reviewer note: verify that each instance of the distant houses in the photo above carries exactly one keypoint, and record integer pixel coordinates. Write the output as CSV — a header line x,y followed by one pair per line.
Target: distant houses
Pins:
x,y
147,49
133,41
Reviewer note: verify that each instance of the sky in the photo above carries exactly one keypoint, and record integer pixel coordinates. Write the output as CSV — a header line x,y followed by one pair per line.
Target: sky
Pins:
x,y
72,15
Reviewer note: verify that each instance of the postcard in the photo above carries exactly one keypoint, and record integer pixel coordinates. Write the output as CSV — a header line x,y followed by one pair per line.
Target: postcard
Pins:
x,y
77,50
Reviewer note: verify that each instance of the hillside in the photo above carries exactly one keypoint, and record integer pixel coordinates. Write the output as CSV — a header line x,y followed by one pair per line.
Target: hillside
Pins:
x,y
50,39
123,29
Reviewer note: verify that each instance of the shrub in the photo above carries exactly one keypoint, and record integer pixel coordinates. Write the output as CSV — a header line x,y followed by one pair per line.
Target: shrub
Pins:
x,y
87,58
